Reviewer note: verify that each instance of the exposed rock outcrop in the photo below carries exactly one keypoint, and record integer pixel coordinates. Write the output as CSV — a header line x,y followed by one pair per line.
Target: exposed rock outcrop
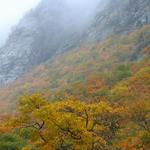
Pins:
x,y
119,17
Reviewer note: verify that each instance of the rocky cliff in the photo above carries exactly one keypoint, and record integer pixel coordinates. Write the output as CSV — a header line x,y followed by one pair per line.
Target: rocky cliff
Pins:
x,y
119,17
52,29
39,35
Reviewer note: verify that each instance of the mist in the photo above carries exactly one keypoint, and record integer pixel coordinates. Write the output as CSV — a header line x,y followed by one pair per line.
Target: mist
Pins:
x,y
82,10
12,11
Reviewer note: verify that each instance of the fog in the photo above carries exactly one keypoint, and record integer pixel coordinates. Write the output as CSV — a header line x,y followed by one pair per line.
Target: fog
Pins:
x,y
11,11
82,10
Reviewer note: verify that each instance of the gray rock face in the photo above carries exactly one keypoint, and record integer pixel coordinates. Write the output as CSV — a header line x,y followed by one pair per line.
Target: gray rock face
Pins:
x,y
119,17
41,34
52,29
14,55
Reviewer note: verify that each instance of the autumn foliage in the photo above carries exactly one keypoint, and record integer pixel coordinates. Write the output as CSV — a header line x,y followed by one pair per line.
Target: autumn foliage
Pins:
x,y
96,97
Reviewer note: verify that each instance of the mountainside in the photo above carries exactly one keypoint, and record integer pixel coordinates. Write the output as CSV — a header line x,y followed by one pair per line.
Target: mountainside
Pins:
x,y
92,97
87,72
47,31
42,33
119,17
70,81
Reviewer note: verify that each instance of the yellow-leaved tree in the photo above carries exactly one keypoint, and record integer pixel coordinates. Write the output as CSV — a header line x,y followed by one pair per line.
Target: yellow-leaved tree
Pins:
x,y
68,124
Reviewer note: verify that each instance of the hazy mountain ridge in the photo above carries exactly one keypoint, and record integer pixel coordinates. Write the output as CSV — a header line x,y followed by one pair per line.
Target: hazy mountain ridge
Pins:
x,y
50,29
40,34
119,17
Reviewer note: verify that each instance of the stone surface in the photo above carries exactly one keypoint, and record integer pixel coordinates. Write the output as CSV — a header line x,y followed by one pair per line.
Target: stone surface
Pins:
x,y
119,17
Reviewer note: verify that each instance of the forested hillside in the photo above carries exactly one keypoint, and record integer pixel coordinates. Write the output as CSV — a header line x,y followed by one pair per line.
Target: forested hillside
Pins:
x,y
87,100
94,95
87,72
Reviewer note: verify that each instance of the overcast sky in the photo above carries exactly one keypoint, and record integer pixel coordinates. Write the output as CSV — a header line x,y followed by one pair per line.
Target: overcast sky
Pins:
x,y
11,11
